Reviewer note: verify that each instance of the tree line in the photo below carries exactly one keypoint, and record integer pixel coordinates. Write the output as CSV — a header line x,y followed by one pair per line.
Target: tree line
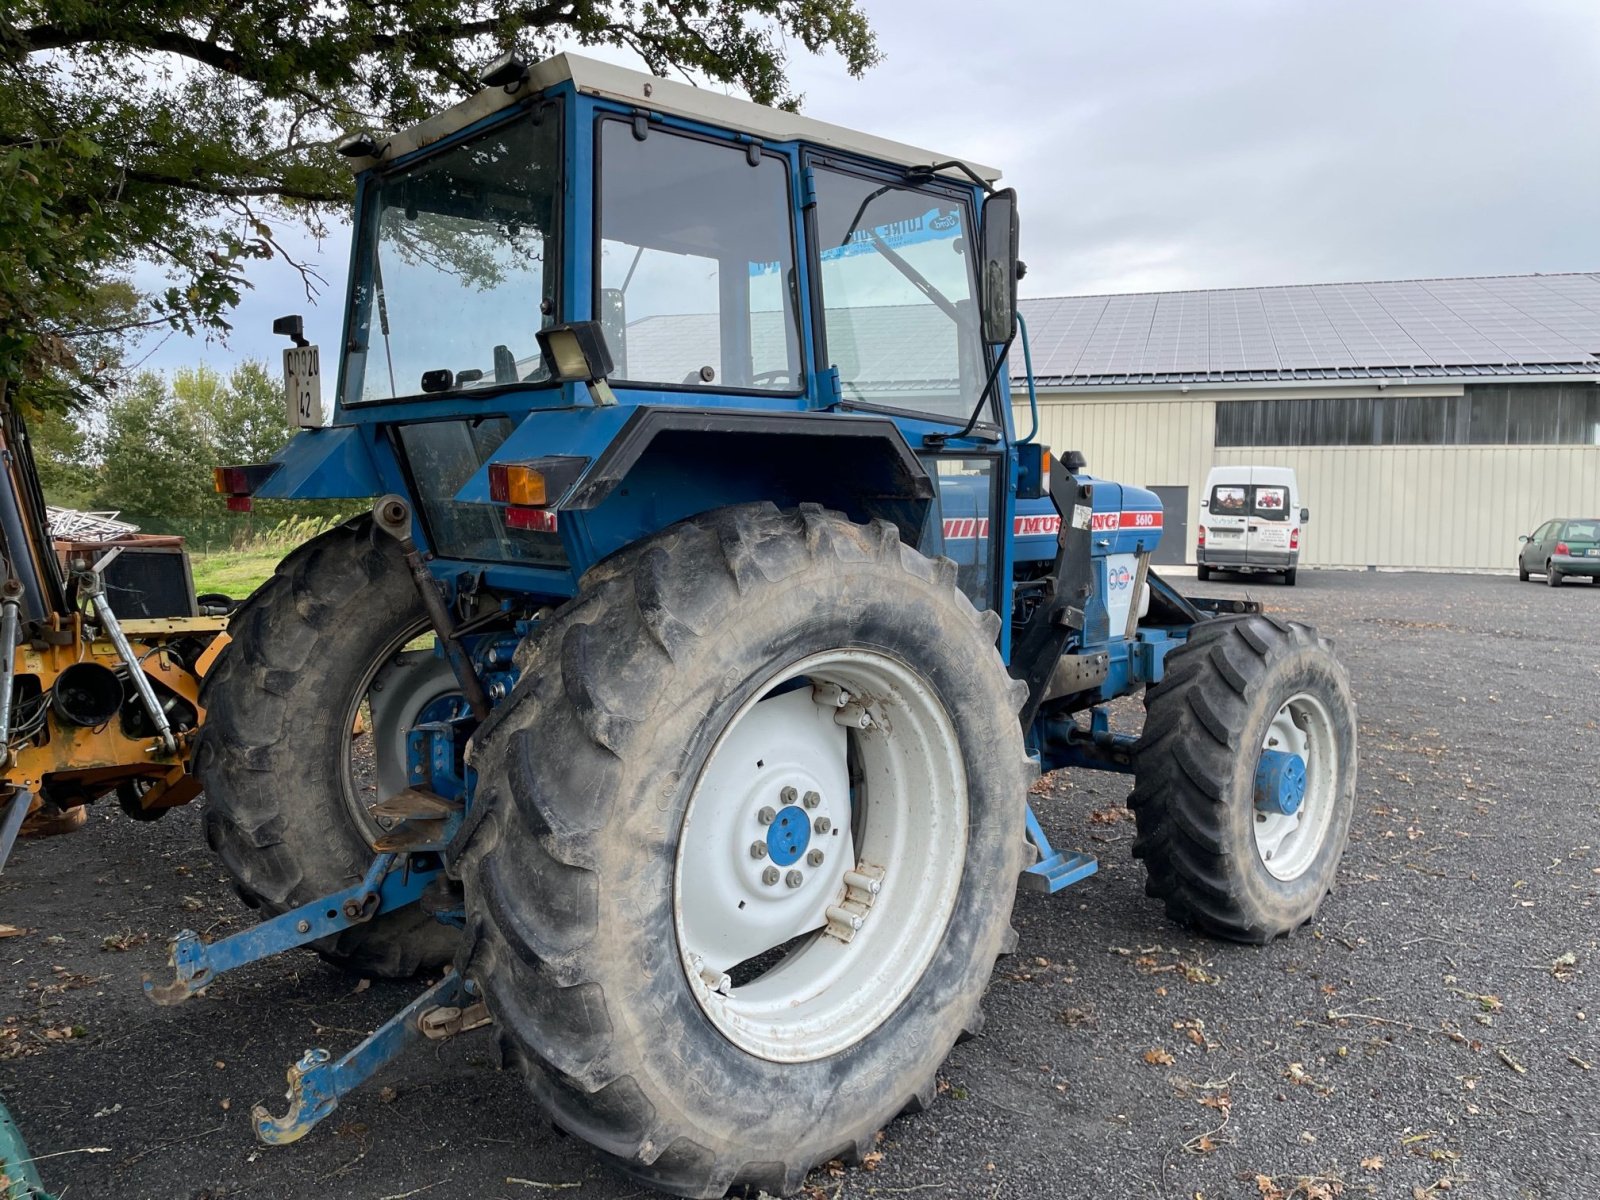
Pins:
x,y
147,449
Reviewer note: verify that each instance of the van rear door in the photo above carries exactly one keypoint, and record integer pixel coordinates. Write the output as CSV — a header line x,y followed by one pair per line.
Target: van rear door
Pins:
x,y
1271,513
1227,515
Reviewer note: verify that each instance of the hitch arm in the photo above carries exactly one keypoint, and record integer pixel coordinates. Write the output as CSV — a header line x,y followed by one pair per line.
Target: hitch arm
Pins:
x,y
195,964
316,1084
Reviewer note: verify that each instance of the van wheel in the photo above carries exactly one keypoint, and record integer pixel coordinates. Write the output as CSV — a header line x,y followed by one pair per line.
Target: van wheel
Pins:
x,y
1289,575
1202,572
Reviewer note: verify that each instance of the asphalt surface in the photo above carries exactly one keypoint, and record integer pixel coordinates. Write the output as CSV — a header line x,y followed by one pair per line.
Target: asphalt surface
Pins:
x,y
1435,1033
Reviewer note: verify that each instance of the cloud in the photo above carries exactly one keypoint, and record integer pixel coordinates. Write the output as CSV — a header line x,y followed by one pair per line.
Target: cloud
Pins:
x,y
1170,144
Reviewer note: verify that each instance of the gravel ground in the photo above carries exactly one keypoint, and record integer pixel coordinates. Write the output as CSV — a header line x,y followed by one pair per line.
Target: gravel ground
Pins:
x,y
1436,1033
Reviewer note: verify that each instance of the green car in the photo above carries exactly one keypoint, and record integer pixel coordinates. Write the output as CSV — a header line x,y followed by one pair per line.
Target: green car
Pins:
x,y
1561,548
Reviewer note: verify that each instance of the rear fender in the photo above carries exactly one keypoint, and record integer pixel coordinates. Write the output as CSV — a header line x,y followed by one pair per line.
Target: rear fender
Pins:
x,y
667,464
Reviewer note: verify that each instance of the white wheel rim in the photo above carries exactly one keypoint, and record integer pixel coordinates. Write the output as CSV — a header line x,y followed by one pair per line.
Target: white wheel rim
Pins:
x,y
1289,844
905,827
397,688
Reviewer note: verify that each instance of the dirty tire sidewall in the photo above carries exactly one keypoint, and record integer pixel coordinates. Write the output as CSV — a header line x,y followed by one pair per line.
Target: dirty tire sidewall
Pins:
x,y
272,754
585,776
1195,763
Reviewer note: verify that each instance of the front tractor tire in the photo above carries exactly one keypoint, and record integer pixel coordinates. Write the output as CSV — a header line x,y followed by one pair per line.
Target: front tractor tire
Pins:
x,y
745,845
306,712
1245,778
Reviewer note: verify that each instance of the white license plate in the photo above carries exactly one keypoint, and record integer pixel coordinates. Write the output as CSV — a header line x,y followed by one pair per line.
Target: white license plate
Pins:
x,y
302,386
1593,552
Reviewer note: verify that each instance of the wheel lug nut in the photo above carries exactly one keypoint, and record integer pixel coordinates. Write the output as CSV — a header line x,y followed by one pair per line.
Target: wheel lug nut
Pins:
x,y
758,849
769,876
794,879
788,795
814,858
822,825
813,799
767,815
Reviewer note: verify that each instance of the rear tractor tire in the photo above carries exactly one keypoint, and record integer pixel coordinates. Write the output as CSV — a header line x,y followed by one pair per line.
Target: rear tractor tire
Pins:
x,y
306,712
744,846
1245,778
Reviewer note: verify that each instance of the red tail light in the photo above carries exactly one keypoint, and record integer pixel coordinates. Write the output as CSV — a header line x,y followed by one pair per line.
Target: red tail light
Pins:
x,y
1294,539
537,519
1561,548
1201,540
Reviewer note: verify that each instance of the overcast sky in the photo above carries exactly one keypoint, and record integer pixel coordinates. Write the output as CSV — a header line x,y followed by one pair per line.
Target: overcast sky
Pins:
x,y
1165,144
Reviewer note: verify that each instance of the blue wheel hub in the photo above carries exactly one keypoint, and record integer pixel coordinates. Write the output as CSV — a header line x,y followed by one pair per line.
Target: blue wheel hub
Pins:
x,y
1280,782
788,835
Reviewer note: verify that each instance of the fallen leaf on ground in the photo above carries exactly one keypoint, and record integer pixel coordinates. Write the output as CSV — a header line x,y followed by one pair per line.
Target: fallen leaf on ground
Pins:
x,y
11,931
1158,1057
1375,1163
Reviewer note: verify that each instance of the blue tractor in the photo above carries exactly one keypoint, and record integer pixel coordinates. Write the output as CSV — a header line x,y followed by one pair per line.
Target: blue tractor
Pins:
x,y
676,704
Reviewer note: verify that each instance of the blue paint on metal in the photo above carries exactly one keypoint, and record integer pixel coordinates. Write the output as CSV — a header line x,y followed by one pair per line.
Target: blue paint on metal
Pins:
x,y
196,964
1280,782
1033,394
316,1084
1054,870
788,835
334,463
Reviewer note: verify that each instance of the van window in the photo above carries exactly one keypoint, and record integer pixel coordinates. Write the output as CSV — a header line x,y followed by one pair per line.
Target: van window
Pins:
x,y
1230,500
1271,503
1241,500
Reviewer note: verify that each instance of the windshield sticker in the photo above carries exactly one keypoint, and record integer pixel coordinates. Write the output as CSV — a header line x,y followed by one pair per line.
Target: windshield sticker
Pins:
x,y
934,225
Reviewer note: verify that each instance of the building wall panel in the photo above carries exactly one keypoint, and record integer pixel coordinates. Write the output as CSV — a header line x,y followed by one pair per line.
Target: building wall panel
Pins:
x,y
1440,507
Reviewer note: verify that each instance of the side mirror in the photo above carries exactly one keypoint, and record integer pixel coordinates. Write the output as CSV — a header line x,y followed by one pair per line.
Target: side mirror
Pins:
x,y
1305,516
998,268
1524,537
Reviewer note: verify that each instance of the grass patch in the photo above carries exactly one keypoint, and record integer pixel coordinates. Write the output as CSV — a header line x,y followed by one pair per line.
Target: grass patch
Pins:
x,y
234,573
241,570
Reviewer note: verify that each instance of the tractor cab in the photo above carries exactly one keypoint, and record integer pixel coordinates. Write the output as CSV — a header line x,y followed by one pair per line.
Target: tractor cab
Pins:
x,y
698,300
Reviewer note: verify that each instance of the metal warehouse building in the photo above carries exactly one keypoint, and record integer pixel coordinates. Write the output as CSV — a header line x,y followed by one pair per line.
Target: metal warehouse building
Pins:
x,y
1430,421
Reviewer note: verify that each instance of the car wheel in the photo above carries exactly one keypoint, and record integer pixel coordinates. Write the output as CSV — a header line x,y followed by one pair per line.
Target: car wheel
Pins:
x,y
1552,575
1522,571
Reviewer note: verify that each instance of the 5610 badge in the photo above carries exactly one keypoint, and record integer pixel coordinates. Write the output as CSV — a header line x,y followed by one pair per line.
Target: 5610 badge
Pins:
x,y
302,386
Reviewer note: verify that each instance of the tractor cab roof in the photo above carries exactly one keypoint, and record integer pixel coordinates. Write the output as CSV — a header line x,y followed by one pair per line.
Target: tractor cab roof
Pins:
x,y
608,81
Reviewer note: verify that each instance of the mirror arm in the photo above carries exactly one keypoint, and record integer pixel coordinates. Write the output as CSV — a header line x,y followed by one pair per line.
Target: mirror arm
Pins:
x,y
935,441
926,174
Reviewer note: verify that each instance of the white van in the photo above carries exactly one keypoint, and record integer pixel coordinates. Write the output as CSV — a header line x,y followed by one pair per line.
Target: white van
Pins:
x,y
1250,520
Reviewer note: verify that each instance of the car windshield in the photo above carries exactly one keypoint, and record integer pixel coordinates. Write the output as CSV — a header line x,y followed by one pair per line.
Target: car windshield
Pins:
x,y
457,269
